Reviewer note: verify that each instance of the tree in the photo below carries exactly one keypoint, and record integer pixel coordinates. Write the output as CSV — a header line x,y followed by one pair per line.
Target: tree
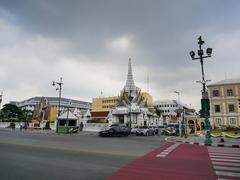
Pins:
x,y
11,112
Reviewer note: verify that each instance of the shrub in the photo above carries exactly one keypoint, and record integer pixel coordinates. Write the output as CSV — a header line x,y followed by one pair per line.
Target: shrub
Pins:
x,y
232,128
47,125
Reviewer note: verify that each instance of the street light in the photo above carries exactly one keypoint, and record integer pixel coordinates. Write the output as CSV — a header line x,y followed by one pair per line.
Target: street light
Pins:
x,y
178,93
130,110
205,100
1,95
181,112
59,88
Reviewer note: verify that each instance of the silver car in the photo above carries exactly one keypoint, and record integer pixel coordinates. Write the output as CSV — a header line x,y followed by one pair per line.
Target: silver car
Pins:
x,y
145,131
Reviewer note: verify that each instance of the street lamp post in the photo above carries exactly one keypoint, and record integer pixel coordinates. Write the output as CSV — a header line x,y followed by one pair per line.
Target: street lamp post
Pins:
x,y
181,112
178,93
1,95
205,100
59,88
130,109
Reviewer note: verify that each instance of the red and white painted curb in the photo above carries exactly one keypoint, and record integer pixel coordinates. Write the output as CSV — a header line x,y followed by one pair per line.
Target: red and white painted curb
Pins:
x,y
202,144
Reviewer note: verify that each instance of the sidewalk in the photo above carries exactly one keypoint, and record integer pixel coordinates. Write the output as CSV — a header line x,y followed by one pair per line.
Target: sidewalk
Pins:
x,y
228,142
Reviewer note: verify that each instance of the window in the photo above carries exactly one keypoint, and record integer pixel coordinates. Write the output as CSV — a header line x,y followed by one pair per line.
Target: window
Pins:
x,y
72,123
217,108
231,107
215,93
229,92
218,120
232,120
62,122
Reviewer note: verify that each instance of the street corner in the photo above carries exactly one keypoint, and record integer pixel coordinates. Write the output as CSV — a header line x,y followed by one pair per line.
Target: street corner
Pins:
x,y
200,141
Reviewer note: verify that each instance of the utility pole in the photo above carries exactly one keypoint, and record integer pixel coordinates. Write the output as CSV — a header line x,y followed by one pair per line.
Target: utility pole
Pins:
x,y
180,119
59,88
1,95
205,106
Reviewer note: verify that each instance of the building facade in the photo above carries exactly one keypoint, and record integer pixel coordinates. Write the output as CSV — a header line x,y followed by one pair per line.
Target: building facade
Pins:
x,y
107,103
132,107
224,99
168,109
29,104
46,108
104,103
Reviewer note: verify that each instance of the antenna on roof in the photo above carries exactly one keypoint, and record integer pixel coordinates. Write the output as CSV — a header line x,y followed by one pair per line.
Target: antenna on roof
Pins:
x,y
225,75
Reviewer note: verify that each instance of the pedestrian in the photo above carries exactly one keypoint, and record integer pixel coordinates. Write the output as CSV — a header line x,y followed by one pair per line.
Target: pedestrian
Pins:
x,y
25,126
81,126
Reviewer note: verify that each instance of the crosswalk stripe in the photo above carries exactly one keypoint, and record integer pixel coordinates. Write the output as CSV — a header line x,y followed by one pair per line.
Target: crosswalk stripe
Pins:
x,y
164,153
226,168
226,173
226,160
222,154
223,179
227,152
161,155
225,157
225,163
168,150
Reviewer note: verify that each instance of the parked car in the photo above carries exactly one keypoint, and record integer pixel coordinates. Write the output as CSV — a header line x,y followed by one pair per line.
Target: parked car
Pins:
x,y
155,129
134,130
145,131
172,130
115,131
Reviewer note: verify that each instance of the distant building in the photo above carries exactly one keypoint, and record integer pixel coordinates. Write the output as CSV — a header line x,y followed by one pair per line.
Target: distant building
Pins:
x,y
66,103
101,106
224,99
104,103
168,109
133,108
46,108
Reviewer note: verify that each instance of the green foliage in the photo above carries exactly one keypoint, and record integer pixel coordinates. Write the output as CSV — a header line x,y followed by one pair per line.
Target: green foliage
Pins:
x,y
11,112
47,125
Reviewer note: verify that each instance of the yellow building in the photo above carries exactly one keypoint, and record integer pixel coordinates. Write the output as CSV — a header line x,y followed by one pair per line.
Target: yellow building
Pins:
x,y
104,103
107,103
224,99
148,98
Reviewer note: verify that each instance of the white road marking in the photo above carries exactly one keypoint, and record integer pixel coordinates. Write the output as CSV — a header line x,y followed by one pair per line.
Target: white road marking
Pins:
x,y
226,173
225,154
225,157
226,160
226,168
168,150
164,152
226,163
161,155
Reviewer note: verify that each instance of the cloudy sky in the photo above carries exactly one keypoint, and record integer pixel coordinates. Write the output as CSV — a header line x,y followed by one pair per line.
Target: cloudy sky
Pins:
x,y
88,44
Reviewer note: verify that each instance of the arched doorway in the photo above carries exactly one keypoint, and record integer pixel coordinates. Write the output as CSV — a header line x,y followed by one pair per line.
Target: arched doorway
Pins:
x,y
202,125
191,126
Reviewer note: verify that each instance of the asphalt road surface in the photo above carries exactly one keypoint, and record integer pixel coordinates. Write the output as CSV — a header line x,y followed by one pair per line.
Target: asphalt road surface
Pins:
x,y
27,156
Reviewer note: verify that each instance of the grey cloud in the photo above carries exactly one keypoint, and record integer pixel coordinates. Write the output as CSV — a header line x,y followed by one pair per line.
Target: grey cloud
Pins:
x,y
161,32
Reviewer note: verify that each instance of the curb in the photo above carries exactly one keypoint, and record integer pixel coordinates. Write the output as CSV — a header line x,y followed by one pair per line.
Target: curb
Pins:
x,y
203,144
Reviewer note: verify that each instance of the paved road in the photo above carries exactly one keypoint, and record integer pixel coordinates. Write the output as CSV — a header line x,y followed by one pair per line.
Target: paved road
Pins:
x,y
175,161
26,155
